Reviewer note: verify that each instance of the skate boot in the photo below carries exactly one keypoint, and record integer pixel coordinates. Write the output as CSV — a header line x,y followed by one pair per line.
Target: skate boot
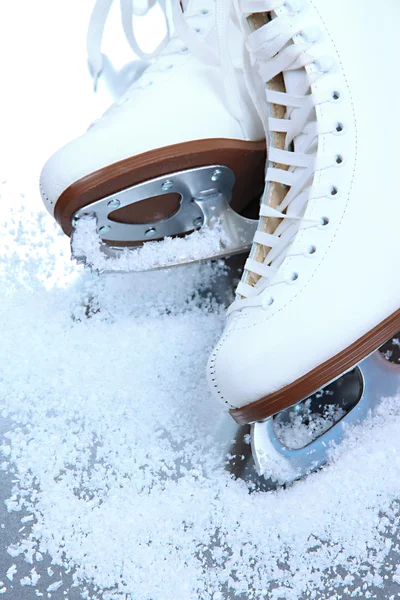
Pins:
x,y
320,292
181,148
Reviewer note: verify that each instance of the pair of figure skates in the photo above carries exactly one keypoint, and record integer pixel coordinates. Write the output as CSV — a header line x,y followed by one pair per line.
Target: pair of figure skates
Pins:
x,y
183,146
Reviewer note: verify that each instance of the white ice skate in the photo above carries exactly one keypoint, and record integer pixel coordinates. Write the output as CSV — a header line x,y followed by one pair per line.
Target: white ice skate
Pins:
x,y
320,291
182,148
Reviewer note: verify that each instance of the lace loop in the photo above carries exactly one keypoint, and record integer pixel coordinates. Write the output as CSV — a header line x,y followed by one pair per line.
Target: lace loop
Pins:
x,y
97,25
128,11
198,46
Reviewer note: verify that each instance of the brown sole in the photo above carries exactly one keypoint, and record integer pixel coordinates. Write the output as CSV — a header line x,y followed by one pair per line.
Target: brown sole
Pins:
x,y
245,159
319,377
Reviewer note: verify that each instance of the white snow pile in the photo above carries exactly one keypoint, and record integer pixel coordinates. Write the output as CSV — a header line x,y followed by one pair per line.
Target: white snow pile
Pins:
x,y
112,454
302,428
198,245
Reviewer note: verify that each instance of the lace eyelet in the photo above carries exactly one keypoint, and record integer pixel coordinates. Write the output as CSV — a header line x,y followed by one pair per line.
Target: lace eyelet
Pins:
x,y
324,221
311,250
184,50
204,12
267,302
294,6
334,191
336,96
198,30
293,277
339,128
339,160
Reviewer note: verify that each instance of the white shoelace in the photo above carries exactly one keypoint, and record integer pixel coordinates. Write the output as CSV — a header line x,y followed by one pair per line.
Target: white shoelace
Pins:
x,y
97,25
187,37
274,53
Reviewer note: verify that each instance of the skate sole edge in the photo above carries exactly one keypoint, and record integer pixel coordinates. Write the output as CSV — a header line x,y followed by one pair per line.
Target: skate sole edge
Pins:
x,y
246,159
319,377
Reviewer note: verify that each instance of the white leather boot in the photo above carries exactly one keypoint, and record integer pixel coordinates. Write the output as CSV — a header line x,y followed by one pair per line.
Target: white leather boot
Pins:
x,y
178,136
320,290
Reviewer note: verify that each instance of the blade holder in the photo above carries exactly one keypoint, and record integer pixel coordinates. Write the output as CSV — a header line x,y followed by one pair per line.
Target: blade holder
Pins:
x,y
379,378
205,194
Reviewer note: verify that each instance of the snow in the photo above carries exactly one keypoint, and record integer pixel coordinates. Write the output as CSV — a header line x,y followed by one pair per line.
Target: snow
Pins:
x,y
396,576
113,448
54,586
300,429
112,438
11,572
198,245
13,550
31,579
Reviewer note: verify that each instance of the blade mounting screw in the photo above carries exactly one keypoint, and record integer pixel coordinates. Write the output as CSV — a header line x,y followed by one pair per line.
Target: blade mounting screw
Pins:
x,y
167,185
216,175
114,203
150,232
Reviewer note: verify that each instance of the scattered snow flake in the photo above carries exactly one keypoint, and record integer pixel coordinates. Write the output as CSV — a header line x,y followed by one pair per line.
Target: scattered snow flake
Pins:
x,y
27,519
31,579
11,572
396,576
54,586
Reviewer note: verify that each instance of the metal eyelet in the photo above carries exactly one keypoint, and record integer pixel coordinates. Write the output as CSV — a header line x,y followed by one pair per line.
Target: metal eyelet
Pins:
x,y
294,6
267,302
339,128
334,191
324,221
293,277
